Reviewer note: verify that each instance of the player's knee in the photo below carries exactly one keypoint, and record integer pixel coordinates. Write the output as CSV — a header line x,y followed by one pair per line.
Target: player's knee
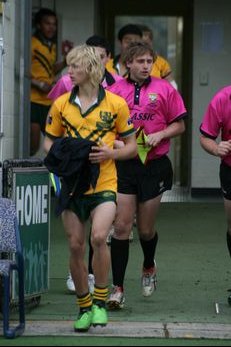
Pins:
x,y
122,229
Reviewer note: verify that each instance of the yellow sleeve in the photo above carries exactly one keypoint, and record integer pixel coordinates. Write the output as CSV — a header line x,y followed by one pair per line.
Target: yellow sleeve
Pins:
x,y
54,126
161,68
109,67
165,68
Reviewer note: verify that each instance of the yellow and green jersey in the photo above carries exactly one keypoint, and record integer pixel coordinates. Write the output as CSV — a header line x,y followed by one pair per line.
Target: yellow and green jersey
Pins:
x,y
43,59
160,68
102,123
113,67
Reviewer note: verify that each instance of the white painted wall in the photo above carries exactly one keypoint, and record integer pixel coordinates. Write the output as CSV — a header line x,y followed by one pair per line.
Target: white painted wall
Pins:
x,y
8,143
211,71
77,19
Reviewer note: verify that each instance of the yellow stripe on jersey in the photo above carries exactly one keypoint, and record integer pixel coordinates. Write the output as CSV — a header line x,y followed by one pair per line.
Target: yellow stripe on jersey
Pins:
x,y
44,62
108,118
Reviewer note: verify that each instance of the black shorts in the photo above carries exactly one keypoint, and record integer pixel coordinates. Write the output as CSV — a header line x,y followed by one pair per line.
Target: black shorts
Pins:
x,y
225,180
39,114
145,181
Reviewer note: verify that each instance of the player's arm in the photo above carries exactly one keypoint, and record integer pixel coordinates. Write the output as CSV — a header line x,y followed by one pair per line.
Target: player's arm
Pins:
x,y
174,129
47,143
128,151
103,152
41,85
59,66
220,149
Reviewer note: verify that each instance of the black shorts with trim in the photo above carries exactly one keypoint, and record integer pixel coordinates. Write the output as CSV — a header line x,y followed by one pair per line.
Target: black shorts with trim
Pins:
x,y
145,181
225,180
83,205
39,114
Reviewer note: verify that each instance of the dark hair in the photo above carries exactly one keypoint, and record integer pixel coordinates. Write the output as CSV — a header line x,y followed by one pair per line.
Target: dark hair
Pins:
x,y
145,28
135,49
43,12
129,29
98,41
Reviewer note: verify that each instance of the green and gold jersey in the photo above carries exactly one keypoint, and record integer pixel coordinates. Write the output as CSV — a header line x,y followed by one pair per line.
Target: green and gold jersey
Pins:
x,y
114,67
103,122
111,66
43,59
160,68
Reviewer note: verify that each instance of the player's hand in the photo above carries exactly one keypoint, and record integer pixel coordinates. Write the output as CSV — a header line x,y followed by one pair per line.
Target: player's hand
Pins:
x,y
100,153
118,144
154,139
45,87
223,148
42,86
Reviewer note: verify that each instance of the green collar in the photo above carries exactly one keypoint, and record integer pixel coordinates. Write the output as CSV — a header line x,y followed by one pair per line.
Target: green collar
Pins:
x,y
74,93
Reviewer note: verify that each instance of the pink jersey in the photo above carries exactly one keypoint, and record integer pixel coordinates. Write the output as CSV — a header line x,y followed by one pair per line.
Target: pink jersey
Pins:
x,y
217,118
153,106
64,84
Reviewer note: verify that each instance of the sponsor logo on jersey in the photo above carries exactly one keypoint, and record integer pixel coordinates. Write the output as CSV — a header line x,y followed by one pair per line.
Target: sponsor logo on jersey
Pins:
x,y
152,97
107,120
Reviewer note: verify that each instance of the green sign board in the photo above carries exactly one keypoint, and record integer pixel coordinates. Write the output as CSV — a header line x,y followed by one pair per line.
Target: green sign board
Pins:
x,y
31,193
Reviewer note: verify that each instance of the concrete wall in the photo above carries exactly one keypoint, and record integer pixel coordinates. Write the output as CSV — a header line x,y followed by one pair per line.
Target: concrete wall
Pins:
x,y
10,87
211,71
77,19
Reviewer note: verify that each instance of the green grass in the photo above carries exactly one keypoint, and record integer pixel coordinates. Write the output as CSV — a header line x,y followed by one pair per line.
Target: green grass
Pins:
x,y
109,341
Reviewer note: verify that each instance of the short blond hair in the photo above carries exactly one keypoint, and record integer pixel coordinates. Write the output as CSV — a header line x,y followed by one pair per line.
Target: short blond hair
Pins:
x,y
87,57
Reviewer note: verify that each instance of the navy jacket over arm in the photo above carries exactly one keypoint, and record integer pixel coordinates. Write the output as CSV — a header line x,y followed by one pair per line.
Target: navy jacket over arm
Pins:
x,y
68,158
